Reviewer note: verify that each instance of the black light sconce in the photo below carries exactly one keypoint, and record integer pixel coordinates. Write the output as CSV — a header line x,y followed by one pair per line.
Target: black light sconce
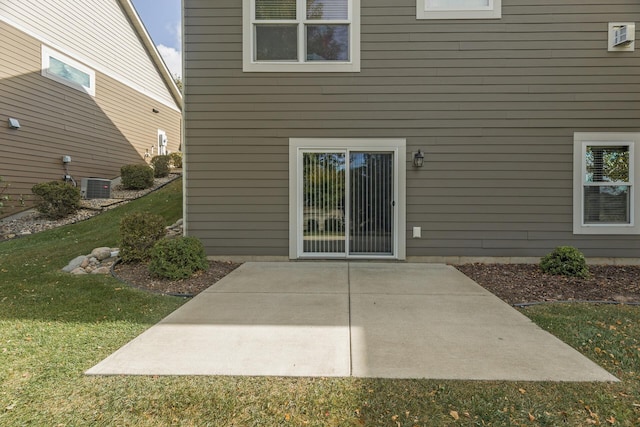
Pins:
x,y
155,110
418,159
14,123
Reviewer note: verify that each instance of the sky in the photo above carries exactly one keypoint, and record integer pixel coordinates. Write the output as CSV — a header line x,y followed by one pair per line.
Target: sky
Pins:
x,y
162,18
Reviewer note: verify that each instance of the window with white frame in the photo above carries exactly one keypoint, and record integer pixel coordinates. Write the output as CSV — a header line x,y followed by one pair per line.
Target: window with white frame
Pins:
x,y
67,71
605,195
301,35
459,9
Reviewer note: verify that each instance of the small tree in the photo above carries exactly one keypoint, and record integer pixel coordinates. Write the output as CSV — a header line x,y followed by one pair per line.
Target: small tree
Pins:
x,y
139,231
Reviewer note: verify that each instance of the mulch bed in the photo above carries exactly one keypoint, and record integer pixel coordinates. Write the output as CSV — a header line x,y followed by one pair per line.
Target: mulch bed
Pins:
x,y
513,283
522,283
138,275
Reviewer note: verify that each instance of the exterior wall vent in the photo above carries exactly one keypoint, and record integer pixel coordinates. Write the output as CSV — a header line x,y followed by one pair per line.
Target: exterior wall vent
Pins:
x,y
95,188
622,36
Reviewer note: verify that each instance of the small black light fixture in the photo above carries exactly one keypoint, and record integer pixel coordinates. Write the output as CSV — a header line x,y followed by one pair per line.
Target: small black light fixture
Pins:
x,y
14,123
155,110
418,159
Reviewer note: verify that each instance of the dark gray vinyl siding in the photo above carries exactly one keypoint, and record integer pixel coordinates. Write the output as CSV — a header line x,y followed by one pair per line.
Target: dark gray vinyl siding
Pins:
x,y
493,104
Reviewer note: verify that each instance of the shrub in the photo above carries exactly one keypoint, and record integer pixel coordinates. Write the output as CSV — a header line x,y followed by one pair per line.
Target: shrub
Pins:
x,y
565,261
176,159
178,258
136,177
160,166
139,231
57,199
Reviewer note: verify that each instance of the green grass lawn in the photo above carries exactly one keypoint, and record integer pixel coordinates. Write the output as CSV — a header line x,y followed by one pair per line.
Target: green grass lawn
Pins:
x,y
54,326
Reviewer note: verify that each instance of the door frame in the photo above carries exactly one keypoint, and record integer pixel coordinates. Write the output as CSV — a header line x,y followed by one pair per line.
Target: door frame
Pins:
x,y
395,145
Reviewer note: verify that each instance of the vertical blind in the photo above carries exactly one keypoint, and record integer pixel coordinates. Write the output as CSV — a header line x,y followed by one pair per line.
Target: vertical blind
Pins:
x,y
323,202
366,194
371,203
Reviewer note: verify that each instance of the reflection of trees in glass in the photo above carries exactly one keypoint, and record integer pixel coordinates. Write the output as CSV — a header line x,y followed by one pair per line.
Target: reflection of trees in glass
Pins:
x,y
315,9
275,9
607,204
324,180
607,164
327,42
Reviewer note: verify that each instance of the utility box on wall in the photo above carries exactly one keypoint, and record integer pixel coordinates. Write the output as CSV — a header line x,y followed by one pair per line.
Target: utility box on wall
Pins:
x,y
95,188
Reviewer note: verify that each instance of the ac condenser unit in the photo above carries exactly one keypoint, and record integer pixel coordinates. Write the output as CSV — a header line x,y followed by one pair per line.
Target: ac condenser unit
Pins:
x,y
95,188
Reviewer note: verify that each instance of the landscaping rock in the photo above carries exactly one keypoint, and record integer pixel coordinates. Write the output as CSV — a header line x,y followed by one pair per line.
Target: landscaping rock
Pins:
x,y
99,261
74,263
101,253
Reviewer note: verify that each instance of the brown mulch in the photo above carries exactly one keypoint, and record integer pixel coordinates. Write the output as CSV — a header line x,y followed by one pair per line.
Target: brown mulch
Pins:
x,y
513,283
138,275
523,283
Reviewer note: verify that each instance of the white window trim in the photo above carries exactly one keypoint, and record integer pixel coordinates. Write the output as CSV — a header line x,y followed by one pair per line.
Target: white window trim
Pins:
x,y
395,145
494,11
47,53
249,65
580,141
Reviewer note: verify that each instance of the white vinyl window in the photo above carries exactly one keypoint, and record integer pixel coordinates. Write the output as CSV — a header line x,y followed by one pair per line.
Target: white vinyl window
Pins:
x,y
605,193
459,9
67,71
301,35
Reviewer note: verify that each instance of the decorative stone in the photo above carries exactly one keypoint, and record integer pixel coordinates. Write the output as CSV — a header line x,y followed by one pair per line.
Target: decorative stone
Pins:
x,y
74,263
101,270
101,253
78,271
85,263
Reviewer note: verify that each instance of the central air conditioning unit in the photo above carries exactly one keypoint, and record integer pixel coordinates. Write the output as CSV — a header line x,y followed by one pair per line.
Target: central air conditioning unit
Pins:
x,y
95,188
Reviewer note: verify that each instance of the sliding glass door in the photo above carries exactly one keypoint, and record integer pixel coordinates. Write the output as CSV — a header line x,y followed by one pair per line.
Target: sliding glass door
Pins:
x,y
347,203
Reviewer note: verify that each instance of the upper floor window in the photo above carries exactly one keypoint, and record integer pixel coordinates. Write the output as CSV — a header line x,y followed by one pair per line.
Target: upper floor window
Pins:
x,y
67,71
459,9
605,193
301,35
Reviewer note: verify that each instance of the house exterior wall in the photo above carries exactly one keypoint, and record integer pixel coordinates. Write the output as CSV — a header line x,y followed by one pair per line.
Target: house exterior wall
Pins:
x,y
493,105
97,31
101,133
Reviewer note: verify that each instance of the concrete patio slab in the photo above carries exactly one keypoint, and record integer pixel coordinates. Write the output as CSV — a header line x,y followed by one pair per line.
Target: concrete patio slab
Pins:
x,y
390,320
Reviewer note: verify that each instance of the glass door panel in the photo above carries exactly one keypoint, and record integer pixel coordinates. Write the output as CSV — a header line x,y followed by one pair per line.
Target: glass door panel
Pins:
x,y
347,203
371,203
323,216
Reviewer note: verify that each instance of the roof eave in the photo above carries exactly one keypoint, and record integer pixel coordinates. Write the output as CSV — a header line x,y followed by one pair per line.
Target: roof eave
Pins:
x,y
153,51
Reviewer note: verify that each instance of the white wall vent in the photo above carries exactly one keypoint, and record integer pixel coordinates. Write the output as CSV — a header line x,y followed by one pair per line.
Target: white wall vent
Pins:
x,y
622,36
95,188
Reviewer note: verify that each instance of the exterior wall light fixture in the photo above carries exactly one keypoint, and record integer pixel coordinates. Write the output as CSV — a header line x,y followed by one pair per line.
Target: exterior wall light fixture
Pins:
x,y
14,123
418,159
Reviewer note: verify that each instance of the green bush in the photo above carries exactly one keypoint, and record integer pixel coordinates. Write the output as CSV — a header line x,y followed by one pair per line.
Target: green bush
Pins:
x,y
160,166
565,261
178,258
57,199
139,231
176,159
136,177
